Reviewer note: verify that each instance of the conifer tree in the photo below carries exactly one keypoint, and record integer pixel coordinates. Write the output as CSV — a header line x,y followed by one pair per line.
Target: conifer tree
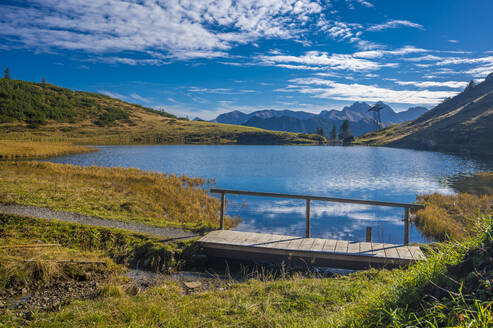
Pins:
x,y
333,134
7,74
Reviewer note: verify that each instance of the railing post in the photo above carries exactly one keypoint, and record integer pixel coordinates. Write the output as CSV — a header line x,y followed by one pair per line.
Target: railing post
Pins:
x,y
368,234
307,218
221,220
406,226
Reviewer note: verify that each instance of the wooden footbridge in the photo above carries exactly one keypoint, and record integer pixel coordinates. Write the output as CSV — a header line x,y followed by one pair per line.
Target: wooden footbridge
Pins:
x,y
261,247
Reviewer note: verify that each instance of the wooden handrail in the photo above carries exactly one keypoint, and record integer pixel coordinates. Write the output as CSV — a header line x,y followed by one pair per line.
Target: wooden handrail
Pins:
x,y
407,207
321,198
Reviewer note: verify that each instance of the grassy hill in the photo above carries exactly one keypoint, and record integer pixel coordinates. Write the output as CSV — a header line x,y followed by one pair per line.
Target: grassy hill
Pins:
x,y
41,111
462,124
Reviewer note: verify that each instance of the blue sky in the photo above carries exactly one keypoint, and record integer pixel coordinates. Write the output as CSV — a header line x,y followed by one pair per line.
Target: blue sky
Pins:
x,y
203,58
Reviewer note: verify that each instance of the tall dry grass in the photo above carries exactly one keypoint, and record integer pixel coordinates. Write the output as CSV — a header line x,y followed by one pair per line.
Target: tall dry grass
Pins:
x,y
452,216
36,266
13,149
113,193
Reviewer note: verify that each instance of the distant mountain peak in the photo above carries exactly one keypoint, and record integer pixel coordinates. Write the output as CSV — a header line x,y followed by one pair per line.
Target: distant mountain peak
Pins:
x,y
489,77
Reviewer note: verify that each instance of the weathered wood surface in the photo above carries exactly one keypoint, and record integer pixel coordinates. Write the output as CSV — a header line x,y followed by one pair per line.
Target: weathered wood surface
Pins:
x,y
317,251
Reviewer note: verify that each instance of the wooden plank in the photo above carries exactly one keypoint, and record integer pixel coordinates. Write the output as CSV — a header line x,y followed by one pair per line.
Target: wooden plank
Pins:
x,y
307,244
404,252
341,246
378,249
365,249
314,251
294,244
353,248
391,251
318,245
329,246
243,238
268,241
283,242
416,253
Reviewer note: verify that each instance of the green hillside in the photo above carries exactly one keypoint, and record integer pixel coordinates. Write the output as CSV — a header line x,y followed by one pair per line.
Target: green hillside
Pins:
x,y
41,111
462,124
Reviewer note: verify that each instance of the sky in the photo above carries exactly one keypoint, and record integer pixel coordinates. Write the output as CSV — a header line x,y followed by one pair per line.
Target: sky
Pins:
x,y
203,57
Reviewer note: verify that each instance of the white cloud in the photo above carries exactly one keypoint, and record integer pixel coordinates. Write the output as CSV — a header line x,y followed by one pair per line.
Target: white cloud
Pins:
x,y
220,91
179,29
423,58
321,88
372,54
129,61
454,61
481,71
112,94
395,23
322,60
341,30
365,3
453,41
428,84
139,97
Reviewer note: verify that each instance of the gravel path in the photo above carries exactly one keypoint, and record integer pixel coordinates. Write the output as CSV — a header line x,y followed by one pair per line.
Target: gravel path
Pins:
x,y
46,213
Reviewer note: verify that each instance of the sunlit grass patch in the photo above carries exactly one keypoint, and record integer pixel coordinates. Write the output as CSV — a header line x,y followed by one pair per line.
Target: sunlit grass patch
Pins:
x,y
113,193
452,216
12,149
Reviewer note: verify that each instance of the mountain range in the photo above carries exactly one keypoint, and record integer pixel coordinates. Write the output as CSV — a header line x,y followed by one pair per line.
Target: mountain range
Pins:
x,y
31,110
299,121
462,124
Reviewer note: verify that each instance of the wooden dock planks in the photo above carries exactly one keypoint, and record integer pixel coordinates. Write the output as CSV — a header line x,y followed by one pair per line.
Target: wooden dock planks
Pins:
x,y
335,253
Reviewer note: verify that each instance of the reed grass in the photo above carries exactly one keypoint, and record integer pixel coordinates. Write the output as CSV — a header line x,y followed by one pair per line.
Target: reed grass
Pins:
x,y
113,193
29,267
14,149
452,216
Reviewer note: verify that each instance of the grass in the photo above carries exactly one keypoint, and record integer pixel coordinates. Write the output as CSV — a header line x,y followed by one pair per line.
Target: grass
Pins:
x,y
112,193
434,293
451,289
41,266
11,149
455,217
121,246
289,302
452,216
44,112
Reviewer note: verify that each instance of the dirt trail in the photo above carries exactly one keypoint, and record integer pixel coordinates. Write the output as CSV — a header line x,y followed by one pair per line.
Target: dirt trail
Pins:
x,y
46,213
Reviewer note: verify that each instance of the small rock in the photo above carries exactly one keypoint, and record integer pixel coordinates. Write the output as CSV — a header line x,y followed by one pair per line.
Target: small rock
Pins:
x,y
192,284
24,291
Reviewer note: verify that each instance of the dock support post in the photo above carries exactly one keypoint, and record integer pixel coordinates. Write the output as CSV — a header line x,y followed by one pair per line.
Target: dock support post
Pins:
x,y
406,226
221,221
307,218
368,234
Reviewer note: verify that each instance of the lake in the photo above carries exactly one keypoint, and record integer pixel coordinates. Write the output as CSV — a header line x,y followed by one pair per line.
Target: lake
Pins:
x,y
375,173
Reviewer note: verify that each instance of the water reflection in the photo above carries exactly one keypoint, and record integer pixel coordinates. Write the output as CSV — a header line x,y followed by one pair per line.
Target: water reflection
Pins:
x,y
385,174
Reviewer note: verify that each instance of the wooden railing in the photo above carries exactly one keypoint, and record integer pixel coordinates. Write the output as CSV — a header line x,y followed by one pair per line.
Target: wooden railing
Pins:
x,y
407,207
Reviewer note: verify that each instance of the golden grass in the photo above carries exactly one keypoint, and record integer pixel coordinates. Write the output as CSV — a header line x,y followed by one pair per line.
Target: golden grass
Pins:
x,y
112,193
452,216
27,267
11,149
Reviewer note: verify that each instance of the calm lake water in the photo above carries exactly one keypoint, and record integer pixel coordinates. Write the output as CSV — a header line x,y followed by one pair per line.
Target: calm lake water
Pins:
x,y
385,174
